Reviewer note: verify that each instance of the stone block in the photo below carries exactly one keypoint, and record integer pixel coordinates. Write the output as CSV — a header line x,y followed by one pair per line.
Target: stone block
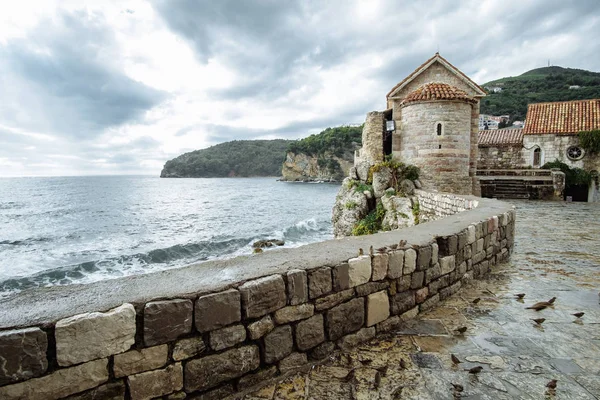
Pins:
x,y
217,310
410,314
89,336
293,362
417,279
310,332
378,307
59,384
136,361
109,391
447,245
322,351
151,384
403,283
297,287
434,253
424,258
207,372
462,238
433,273
380,266
333,300
188,348
250,380
395,264
346,318
319,282
449,291
429,303
22,354
434,286
359,270
410,262
260,328
403,302
165,321
471,236
447,264
389,324
371,287
278,344
462,269
262,296
341,277
349,342
181,395
215,394
294,313
227,337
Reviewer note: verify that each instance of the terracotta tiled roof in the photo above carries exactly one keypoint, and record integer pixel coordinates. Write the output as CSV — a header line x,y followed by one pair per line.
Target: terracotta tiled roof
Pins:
x,y
418,70
500,137
565,117
436,91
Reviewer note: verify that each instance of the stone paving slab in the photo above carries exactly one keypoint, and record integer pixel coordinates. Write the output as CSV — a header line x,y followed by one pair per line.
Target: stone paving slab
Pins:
x,y
518,357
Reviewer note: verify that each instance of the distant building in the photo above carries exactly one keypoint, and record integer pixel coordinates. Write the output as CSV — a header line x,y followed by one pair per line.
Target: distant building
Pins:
x,y
574,87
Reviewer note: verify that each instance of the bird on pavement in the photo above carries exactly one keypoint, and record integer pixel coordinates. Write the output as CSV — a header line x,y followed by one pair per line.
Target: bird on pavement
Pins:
x,y
539,321
551,384
539,306
477,300
455,359
462,329
579,314
520,295
475,370
552,300
457,387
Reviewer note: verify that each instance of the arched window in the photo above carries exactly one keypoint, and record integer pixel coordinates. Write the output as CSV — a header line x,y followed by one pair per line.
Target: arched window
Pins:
x,y
537,157
439,129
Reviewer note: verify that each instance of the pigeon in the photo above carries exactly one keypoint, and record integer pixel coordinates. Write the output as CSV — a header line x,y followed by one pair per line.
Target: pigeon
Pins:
x,y
455,359
360,252
551,384
539,321
520,295
477,300
475,370
579,314
462,329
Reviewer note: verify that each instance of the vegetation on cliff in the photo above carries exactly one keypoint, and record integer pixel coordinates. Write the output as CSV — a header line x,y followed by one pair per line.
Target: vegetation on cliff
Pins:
x,y
537,86
236,158
336,141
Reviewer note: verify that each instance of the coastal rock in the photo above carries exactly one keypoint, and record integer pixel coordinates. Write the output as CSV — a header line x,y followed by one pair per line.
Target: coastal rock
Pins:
x,y
398,212
260,244
350,207
382,179
22,354
305,168
89,336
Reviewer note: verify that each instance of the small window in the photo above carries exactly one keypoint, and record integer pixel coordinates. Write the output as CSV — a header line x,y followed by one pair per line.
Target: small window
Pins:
x,y
575,153
537,157
439,129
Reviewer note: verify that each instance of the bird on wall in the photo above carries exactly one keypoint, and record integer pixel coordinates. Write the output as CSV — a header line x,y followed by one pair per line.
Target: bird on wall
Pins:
x,y
475,370
477,300
579,314
551,384
539,321
461,330
454,359
520,296
541,305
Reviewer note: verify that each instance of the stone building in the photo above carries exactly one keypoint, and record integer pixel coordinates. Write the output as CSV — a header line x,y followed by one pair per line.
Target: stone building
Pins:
x,y
431,121
550,133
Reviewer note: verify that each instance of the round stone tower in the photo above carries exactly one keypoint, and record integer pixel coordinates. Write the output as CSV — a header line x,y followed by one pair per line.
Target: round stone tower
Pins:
x,y
435,135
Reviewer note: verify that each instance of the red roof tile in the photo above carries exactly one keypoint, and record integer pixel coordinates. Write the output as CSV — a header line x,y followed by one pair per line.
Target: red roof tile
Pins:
x,y
436,91
565,117
416,72
500,137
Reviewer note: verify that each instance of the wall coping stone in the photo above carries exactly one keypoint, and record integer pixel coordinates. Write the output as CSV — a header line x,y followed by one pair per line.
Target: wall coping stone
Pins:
x,y
44,306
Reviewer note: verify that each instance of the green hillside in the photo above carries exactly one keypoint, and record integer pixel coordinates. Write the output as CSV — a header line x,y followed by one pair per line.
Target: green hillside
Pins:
x,y
236,158
536,86
336,140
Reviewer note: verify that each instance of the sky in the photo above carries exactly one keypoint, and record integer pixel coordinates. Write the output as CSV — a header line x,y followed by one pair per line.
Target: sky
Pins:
x,y
120,87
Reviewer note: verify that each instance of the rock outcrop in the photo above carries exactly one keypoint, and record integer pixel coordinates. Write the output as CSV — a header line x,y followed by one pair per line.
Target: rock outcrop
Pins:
x,y
306,168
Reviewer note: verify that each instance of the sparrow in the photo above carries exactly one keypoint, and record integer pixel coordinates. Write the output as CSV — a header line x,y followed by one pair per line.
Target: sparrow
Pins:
x,y
477,300
402,364
520,295
382,249
551,384
457,387
360,252
350,376
371,251
383,370
475,370
539,306
393,246
462,329
455,359
257,251
377,379
551,301
402,243
539,321
579,314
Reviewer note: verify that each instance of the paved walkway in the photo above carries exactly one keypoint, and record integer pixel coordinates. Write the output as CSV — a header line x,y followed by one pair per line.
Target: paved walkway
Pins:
x,y
557,254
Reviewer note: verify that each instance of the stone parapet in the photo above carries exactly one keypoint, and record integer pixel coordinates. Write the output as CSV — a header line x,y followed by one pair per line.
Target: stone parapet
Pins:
x,y
213,342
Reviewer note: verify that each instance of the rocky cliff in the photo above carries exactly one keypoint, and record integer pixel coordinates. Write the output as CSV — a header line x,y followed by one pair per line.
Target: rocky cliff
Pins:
x,y
328,167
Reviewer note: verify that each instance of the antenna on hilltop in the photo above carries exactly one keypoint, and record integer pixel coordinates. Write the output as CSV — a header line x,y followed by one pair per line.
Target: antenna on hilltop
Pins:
x,y
548,62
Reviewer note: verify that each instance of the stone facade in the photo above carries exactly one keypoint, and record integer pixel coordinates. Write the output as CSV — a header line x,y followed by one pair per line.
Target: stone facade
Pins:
x,y
254,330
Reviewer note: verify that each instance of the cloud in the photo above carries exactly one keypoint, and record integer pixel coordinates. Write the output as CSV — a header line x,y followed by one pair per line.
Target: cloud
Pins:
x,y
62,78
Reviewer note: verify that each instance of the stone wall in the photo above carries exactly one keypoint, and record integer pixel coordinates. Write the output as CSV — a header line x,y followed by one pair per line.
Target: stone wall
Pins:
x,y
504,157
236,334
435,206
552,147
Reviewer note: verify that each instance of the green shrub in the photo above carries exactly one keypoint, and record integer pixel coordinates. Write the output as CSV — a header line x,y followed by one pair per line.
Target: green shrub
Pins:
x,y
590,141
573,176
371,223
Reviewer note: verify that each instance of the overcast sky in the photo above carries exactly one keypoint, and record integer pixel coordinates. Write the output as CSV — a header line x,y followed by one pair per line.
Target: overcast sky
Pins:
x,y
120,87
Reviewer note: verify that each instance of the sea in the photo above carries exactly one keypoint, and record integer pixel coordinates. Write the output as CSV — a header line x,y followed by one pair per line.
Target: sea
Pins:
x,y
74,230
